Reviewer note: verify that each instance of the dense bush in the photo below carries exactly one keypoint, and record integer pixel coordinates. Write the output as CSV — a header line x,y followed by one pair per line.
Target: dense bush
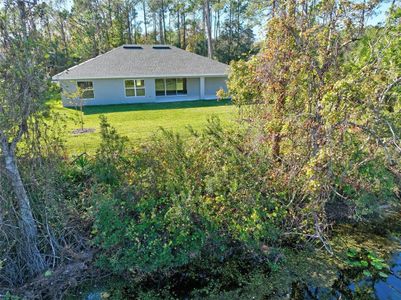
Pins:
x,y
184,200
205,200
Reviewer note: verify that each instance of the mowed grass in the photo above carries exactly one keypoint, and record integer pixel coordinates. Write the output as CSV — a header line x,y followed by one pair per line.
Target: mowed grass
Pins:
x,y
139,122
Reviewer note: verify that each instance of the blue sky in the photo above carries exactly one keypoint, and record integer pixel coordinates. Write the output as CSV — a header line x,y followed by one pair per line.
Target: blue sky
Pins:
x,y
380,13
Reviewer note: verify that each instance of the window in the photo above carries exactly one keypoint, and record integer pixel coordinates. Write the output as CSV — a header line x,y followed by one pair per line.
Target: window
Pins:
x,y
181,86
86,89
171,86
160,87
135,88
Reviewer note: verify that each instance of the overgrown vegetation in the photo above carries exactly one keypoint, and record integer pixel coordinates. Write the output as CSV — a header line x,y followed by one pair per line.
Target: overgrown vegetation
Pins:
x,y
297,194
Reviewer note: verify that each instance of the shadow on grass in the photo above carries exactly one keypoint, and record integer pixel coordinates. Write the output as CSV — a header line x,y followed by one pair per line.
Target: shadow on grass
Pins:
x,y
104,109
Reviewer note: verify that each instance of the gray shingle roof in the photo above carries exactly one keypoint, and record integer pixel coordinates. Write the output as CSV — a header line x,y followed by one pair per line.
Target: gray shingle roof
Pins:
x,y
122,62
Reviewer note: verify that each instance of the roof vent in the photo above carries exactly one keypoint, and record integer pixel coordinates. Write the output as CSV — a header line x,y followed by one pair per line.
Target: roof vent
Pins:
x,y
161,47
132,47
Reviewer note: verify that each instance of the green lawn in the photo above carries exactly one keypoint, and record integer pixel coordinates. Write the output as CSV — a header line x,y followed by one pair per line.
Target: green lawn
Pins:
x,y
139,121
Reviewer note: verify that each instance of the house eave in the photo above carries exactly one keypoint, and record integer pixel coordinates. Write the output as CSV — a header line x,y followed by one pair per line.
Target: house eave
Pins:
x,y
58,78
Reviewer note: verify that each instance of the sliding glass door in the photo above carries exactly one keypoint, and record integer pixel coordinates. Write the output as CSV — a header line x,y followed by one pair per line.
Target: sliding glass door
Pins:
x,y
171,86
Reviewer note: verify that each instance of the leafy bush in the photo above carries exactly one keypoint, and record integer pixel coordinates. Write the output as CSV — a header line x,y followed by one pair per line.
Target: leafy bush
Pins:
x,y
185,201
178,202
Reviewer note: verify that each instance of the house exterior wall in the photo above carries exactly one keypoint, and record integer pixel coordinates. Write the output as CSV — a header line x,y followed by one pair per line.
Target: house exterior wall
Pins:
x,y
213,84
112,91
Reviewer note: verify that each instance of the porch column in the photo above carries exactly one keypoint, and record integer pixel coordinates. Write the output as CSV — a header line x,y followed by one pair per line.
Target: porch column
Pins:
x,y
202,88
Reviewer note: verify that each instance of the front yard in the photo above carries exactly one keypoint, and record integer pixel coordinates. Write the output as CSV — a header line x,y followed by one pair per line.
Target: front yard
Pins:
x,y
140,121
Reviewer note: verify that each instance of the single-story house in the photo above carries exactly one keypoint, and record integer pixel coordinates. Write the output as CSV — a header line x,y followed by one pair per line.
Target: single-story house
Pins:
x,y
141,74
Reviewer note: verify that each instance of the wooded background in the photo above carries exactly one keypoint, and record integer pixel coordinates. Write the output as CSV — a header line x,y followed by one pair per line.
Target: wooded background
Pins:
x,y
80,29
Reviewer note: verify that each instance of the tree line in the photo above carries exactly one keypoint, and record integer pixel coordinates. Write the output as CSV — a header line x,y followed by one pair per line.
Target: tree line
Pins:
x,y
81,29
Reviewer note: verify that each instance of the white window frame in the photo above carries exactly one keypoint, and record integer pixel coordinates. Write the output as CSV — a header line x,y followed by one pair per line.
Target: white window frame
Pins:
x,y
92,89
135,88
165,87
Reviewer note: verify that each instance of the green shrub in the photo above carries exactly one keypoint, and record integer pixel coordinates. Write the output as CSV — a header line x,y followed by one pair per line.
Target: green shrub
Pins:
x,y
215,205
187,200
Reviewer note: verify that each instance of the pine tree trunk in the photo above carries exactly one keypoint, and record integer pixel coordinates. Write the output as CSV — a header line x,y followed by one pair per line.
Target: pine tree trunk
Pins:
x,y
29,234
145,23
129,27
208,29
184,32
178,29
154,28
218,24
164,22
161,31
64,39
